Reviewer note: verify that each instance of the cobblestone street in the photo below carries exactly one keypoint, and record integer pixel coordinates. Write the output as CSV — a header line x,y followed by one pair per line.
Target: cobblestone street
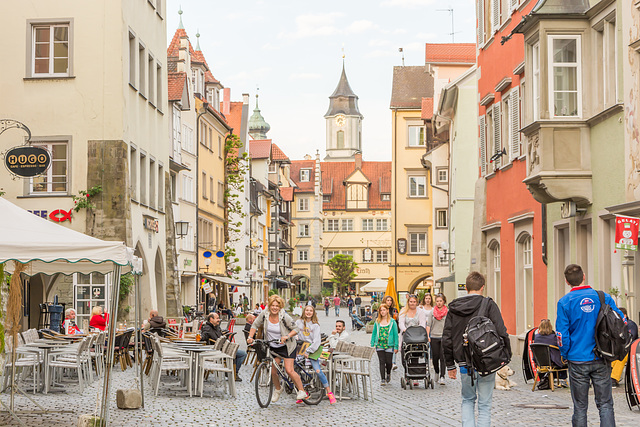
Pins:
x,y
392,406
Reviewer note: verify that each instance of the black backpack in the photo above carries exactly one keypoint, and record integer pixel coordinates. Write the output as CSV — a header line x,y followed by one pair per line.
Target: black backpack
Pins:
x,y
613,339
484,349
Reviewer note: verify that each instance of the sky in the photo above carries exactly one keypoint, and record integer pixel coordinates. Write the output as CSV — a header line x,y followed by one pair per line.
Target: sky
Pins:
x,y
292,51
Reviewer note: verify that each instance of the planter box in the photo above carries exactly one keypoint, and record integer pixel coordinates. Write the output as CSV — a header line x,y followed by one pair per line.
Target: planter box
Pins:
x,y
369,329
241,321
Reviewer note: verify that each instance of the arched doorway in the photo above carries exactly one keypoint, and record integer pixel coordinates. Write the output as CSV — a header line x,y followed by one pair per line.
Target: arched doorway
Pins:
x,y
302,285
160,286
421,283
145,288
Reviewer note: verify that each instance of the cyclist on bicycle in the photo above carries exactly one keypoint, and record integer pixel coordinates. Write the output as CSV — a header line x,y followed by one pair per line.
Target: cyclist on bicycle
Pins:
x,y
276,325
310,333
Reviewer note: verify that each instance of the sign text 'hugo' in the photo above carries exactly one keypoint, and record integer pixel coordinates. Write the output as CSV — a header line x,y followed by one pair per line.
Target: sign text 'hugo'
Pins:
x,y
27,161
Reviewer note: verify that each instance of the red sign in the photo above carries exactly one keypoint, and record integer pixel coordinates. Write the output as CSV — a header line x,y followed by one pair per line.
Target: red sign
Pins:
x,y
59,215
627,233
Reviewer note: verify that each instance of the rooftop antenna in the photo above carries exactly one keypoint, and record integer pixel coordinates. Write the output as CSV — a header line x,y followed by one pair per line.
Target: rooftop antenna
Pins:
x,y
453,32
402,52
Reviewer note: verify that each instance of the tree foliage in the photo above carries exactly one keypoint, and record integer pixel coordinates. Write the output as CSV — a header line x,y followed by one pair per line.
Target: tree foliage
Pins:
x,y
236,168
342,268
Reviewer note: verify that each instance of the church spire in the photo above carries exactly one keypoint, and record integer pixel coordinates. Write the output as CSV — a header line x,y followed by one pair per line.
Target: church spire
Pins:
x,y
180,26
343,100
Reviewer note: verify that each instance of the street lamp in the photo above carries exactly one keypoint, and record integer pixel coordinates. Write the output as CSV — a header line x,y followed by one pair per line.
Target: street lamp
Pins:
x,y
207,263
182,228
443,253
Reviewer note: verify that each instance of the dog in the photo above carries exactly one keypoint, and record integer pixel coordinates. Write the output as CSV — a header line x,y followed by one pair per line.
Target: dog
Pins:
x,y
502,378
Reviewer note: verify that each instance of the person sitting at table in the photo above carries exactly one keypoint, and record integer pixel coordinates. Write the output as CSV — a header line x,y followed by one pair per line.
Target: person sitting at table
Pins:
x,y
155,321
98,320
211,331
223,310
69,325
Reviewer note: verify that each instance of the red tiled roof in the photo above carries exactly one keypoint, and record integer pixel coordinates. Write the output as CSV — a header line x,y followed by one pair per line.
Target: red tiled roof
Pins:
x,y
260,149
174,46
427,108
196,55
286,193
303,186
460,53
334,174
176,82
277,154
208,77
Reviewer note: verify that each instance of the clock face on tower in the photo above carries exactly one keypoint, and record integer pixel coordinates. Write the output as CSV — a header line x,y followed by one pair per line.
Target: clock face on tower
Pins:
x,y
341,120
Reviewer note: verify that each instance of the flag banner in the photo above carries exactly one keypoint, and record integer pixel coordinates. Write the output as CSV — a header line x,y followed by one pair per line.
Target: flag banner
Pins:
x,y
627,233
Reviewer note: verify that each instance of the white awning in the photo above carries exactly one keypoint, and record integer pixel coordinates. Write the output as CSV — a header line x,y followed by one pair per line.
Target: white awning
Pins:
x,y
229,281
376,285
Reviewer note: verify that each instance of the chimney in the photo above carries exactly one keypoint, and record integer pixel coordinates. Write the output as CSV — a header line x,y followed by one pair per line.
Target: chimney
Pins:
x,y
308,157
226,101
245,99
358,157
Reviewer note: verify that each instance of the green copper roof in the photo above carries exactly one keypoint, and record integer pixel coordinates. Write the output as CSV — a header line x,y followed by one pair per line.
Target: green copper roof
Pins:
x,y
258,127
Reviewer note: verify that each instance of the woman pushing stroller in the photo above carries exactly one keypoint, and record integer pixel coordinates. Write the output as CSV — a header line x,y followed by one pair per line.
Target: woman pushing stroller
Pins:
x,y
410,316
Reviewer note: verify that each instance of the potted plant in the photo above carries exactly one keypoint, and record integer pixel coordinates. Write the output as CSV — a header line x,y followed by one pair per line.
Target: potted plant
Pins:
x,y
369,327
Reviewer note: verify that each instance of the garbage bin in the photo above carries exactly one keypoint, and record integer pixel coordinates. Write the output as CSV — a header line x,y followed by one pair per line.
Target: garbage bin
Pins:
x,y
55,315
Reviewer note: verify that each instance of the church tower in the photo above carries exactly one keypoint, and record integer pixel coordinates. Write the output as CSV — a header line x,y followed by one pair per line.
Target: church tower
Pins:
x,y
344,123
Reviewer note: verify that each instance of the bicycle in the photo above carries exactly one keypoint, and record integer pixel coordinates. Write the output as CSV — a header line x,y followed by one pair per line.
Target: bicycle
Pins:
x,y
264,383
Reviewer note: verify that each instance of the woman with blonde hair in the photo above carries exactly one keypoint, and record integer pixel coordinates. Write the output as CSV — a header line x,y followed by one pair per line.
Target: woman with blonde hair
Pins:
x,y
546,335
278,328
385,340
98,320
310,333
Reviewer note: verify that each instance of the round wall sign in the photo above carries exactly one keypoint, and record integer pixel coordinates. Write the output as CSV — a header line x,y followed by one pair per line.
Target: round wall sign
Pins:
x,y
220,254
207,254
27,161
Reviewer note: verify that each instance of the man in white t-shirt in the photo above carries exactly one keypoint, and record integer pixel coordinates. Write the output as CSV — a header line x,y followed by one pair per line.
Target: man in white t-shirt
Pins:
x,y
338,334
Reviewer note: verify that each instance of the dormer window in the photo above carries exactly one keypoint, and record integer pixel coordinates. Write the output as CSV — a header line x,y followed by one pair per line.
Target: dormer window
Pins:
x,y
357,196
305,175
385,197
272,167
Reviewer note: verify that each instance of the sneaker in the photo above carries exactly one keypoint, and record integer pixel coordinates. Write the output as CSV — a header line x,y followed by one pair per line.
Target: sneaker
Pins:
x,y
441,382
394,367
302,395
332,398
564,384
388,378
299,401
276,395
238,379
614,383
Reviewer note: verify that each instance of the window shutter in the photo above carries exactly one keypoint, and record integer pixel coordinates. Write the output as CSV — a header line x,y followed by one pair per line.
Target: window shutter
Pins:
x,y
497,134
480,22
495,22
483,147
515,123
514,4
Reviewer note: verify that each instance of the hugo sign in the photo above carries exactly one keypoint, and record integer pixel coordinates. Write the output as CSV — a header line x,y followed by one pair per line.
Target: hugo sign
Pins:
x,y
27,161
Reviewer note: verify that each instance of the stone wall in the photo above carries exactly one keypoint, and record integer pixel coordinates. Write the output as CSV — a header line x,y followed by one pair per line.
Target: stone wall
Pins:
x,y
172,285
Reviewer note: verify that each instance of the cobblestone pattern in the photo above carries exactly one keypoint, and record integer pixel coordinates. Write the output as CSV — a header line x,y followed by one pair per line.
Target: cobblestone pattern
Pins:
x,y
392,406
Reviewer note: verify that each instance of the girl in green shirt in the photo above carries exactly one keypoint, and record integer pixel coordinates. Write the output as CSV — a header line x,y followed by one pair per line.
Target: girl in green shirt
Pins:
x,y
385,340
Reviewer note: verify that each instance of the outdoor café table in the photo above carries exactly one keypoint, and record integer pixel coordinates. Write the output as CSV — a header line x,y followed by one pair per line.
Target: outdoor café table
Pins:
x,y
46,345
196,350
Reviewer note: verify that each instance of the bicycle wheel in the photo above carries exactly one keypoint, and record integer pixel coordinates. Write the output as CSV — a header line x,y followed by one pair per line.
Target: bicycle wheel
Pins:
x,y
263,384
315,390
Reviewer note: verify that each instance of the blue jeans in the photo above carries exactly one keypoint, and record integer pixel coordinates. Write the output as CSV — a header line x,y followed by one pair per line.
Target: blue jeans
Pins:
x,y
580,377
482,391
337,308
316,367
240,356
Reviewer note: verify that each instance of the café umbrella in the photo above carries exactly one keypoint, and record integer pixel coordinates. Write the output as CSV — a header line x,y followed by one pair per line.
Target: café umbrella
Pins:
x,y
32,245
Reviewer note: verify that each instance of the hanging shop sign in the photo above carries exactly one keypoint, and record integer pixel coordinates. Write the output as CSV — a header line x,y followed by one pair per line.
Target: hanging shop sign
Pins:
x,y
27,161
627,233
402,246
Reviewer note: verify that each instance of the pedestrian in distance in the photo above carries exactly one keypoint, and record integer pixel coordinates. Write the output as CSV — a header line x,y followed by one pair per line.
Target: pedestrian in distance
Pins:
x,y
336,305
546,335
618,365
310,333
576,330
279,328
475,388
410,316
350,304
358,302
327,304
437,327
384,339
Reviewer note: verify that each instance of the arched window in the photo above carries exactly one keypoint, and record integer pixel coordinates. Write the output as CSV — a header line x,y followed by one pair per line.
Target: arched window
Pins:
x,y
340,139
494,270
525,282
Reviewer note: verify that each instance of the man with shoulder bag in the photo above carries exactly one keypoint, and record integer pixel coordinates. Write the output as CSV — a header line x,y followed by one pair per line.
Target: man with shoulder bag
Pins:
x,y
592,332
475,339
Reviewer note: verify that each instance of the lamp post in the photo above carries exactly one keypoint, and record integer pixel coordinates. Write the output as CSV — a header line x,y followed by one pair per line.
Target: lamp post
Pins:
x,y
182,229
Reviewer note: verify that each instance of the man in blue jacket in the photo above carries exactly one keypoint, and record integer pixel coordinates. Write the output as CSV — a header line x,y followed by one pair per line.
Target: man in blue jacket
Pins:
x,y
576,330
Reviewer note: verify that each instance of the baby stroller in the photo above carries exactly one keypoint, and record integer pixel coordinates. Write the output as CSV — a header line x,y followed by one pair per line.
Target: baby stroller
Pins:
x,y
416,355
356,321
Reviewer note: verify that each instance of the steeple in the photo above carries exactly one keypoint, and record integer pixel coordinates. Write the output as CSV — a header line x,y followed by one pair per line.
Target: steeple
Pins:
x,y
258,127
198,41
343,100
180,26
